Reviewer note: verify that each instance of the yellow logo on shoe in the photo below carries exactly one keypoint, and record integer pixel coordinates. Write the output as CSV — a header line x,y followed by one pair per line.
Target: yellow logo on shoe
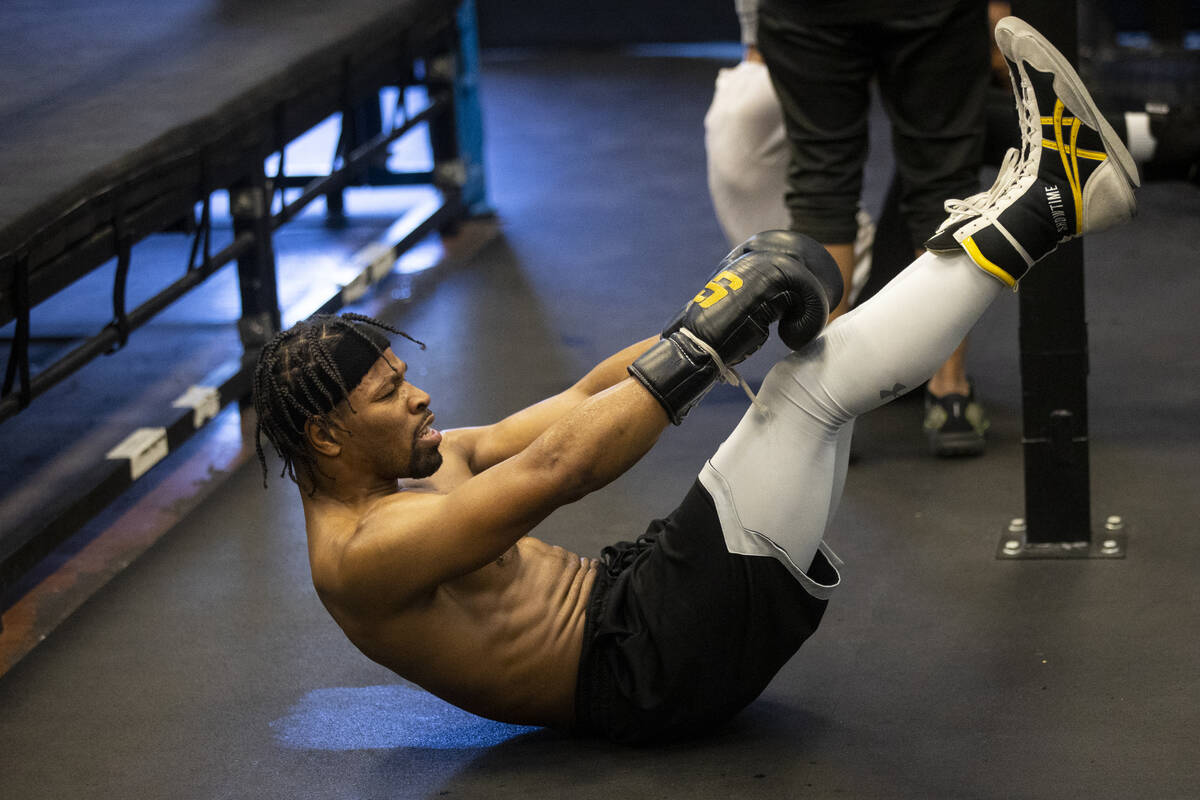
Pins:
x,y
1070,154
720,286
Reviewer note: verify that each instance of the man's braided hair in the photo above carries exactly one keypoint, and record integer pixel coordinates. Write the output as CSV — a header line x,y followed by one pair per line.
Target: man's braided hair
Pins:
x,y
299,377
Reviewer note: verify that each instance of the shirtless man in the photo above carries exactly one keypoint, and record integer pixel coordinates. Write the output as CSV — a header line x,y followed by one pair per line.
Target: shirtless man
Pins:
x,y
418,540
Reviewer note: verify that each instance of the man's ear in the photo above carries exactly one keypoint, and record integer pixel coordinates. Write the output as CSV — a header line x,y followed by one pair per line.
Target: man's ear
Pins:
x,y
322,437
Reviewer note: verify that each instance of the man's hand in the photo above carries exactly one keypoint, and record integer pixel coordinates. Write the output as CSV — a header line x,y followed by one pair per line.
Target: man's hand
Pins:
x,y
782,275
775,275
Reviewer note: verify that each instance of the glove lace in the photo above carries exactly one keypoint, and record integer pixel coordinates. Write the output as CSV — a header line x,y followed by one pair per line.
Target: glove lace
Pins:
x,y
725,374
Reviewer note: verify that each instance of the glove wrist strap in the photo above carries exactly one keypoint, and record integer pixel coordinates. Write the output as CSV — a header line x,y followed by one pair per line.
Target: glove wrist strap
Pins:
x,y
677,372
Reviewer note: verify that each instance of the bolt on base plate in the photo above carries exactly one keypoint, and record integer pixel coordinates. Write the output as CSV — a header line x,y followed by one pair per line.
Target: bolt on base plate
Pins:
x,y
1110,543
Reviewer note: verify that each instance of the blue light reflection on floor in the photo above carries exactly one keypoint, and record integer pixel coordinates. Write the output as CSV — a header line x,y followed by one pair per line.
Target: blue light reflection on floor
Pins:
x,y
375,717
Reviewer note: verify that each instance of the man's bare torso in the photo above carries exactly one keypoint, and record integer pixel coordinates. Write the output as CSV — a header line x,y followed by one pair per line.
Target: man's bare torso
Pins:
x,y
502,641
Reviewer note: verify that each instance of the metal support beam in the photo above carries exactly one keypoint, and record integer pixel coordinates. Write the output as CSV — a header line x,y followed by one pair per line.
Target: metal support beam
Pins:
x,y
250,208
1054,367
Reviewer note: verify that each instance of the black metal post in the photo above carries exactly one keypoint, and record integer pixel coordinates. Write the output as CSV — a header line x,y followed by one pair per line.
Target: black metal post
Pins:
x,y
1054,367
250,208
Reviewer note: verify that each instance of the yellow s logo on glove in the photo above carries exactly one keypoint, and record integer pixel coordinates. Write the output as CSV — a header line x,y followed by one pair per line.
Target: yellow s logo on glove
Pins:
x,y
714,290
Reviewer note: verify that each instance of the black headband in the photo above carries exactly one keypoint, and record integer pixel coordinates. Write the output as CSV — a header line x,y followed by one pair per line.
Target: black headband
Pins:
x,y
353,353
354,357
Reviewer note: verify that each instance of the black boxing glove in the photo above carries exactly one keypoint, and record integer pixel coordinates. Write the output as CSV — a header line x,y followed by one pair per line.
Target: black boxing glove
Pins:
x,y
730,318
798,328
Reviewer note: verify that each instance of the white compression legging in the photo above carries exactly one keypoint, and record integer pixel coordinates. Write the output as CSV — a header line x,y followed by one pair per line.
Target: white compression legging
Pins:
x,y
776,481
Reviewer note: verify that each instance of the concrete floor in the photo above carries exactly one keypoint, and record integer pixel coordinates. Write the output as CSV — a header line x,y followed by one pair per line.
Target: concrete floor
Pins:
x,y
208,669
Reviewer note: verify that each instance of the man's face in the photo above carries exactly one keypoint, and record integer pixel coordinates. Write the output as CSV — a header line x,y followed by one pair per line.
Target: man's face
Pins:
x,y
391,427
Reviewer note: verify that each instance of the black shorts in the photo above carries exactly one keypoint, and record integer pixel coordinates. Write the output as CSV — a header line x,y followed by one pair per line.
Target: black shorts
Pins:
x,y
681,634
932,70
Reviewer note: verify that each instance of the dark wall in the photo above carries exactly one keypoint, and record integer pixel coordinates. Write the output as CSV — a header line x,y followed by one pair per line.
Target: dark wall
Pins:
x,y
1135,15
517,23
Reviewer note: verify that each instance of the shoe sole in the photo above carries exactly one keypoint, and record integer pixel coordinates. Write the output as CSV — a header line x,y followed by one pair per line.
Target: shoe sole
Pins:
x,y
1019,41
956,444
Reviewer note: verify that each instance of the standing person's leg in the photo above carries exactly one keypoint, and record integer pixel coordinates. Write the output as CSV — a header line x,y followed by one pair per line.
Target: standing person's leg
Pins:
x,y
933,78
822,76
933,81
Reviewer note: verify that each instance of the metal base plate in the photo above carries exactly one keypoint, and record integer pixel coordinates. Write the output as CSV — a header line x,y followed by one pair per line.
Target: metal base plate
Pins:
x,y
1109,542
